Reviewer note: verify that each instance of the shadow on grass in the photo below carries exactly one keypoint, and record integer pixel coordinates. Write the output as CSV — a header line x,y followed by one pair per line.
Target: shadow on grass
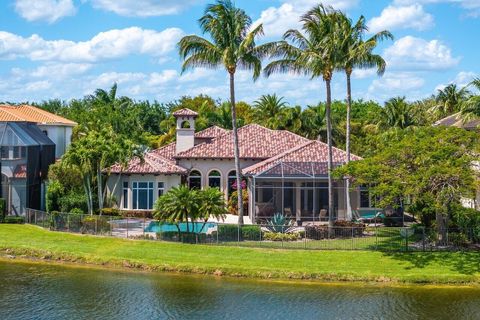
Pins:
x,y
466,263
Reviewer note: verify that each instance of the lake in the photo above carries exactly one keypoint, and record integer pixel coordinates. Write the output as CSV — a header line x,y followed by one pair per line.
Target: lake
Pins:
x,y
34,291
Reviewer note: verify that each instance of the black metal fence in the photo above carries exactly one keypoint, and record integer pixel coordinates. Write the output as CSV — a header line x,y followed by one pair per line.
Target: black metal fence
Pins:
x,y
314,237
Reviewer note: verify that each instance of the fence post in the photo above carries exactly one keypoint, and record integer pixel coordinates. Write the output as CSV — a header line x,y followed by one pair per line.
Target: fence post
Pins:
x,y
127,227
218,230
238,233
376,237
35,217
353,233
68,223
423,239
406,239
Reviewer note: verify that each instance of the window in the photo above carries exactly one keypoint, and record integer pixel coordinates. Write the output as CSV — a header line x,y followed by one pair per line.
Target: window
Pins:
x,y
214,179
142,195
232,181
364,198
4,152
125,195
16,152
195,180
45,132
161,188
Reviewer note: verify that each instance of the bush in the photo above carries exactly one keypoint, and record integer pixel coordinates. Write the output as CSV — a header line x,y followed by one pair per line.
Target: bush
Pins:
x,y
136,214
233,202
168,236
77,211
229,232
276,236
341,229
192,237
3,209
458,239
110,212
73,200
95,225
14,220
252,233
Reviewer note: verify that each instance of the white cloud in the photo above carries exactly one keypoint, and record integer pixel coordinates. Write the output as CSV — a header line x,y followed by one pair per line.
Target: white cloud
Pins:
x,y
106,45
44,10
411,53
462,79
396,84
143,8
403,17
363,73
473,6
277,20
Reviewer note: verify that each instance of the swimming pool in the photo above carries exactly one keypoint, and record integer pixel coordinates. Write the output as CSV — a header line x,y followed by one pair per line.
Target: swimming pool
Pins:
x,y
156,227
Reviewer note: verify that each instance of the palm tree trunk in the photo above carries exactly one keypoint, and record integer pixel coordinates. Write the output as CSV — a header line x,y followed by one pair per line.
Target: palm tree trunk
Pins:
x,y
330,152
347,147
236,150
100,189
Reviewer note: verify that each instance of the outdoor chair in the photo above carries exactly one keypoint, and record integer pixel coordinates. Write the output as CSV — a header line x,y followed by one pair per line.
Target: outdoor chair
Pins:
x,y
323,214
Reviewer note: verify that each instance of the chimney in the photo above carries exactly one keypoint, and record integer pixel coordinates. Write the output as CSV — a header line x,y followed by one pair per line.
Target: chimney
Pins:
x,y
185,129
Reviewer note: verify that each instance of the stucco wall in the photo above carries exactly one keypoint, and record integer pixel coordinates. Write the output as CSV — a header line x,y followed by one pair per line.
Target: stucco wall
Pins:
x,y
60,135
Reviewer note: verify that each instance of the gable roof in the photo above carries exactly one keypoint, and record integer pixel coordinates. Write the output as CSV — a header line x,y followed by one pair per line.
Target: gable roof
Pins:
x,y
151,163
211,132
255,142
455,120
311,156
32,114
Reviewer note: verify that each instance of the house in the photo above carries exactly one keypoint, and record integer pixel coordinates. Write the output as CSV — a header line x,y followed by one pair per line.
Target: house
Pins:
x,y
283,172
455,120
30,140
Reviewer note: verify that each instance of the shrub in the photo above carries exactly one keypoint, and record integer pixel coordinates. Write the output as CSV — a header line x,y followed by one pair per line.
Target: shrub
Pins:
x,y
233,202
458,239
95,225
168,236
110,212
252,233
77,211
73,200
136,214
229,232
276,236
14,220
3,209
280,223
192,237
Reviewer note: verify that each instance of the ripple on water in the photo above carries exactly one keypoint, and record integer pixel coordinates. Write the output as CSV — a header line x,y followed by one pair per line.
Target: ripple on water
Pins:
x,y
54,292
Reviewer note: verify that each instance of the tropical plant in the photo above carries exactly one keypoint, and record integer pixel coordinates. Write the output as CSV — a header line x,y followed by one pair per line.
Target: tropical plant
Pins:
x,y
471,107
357,53
449,100
212,204
315,52
397,113
270,110
279,223
232,47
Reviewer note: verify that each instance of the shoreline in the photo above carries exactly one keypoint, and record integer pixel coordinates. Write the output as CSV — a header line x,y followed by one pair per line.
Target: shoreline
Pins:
x,y
37,245
5,258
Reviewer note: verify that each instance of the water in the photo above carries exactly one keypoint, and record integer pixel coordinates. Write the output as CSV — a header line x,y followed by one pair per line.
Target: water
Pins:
x,y
29,291
198,227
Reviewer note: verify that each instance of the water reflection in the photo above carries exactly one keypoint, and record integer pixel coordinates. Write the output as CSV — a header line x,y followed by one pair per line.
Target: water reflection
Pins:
x,y
53,292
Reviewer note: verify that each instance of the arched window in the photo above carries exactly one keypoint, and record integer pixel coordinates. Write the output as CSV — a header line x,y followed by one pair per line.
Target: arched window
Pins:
x,y
214,179
186,124
195,180
232,182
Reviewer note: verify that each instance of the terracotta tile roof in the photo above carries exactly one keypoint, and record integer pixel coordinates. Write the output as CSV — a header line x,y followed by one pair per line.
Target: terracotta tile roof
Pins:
x,y
211,132
455,120
31,114
20,171
152,164
185,113
255,142
311,157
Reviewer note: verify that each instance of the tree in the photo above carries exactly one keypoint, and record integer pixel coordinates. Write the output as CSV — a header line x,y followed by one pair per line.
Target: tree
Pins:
x,y
270,110
314,122
232,47
431,166
212,204
471,107
449,100
357,53
315,53
397,113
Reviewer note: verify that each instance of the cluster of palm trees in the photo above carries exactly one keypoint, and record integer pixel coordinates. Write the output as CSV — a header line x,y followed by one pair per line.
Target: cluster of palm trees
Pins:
x,y
328,42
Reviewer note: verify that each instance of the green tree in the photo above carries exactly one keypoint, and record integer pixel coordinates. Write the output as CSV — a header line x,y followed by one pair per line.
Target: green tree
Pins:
x,y
449,100
315,53
397,113
232,47
270,111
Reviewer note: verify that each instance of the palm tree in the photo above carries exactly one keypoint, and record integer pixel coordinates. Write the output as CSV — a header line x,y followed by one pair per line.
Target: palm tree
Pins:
x,y
471,107
397,113
314,122
232,47
357,53
269,110
315,53
449,100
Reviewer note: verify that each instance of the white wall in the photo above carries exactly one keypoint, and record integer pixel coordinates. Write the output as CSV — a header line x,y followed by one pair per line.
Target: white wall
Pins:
x,y
60,135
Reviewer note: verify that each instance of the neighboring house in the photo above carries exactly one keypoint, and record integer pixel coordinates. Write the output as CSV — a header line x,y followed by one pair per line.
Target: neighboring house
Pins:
x,y
455,120
57,128
30,140
284,172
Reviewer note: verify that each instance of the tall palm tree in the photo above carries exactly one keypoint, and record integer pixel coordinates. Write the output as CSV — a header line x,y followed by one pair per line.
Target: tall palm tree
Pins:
x,y
313,52
314,122
449,100
232,46
269,110
357,53
397,113
471,107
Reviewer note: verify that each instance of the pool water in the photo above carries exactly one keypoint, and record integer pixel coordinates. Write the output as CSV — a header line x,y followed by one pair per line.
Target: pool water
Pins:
x,y
156,227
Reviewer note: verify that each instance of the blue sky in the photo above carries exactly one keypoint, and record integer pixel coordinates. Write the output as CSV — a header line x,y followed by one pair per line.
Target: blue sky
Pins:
x,y
67,48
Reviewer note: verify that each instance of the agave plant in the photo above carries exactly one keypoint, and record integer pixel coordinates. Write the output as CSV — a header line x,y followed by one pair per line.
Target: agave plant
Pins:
x,y
279,223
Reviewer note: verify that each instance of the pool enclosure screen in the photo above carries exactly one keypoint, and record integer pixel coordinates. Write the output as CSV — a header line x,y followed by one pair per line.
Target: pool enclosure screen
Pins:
x,y
26,153
298,190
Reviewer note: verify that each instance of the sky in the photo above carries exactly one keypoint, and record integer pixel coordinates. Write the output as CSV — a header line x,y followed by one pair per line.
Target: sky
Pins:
x,y
66,49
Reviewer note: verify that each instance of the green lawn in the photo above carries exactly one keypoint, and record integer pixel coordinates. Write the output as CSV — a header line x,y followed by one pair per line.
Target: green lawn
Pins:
x,y
420,267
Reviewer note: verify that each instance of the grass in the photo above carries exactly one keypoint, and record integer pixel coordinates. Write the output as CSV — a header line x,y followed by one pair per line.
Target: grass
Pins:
x,y
31,242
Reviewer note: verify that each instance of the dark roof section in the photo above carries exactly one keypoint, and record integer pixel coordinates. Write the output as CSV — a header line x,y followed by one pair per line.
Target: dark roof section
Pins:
x,y
23,134
455,120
